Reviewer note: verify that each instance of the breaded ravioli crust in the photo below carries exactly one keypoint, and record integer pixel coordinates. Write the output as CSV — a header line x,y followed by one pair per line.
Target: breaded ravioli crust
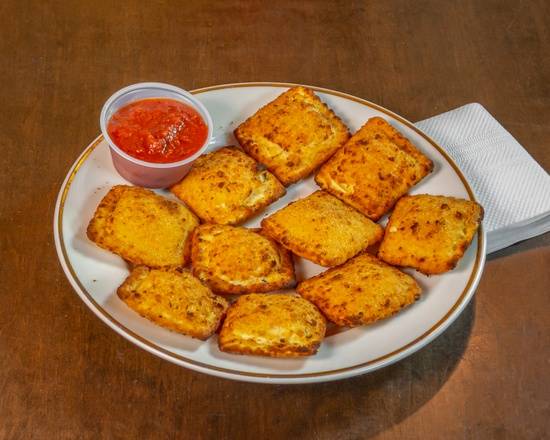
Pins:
x,y
362,291
374,169
173,299
227,187
238,260
430,233
293,134
143,227
322,229
277,325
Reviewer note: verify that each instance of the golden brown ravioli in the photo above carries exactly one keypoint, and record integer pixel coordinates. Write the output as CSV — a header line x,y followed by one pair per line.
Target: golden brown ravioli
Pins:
x,y
322,229
143,227
430,233
361,291
173,299
293,134
277,325
227,187
239,260
374,169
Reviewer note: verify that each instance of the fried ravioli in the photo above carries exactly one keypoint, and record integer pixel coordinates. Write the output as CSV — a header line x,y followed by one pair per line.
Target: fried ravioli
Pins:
x,y
277,325
173,299
237,260
227,187
362,291
374,169
322,229
143,227
430,233
293,134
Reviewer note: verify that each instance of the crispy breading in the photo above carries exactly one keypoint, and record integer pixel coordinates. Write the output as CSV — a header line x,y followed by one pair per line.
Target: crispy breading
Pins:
x,y
237,260
374,169
322,229
277,325
430,233
293,134
173,299
362,291
143,227
227,187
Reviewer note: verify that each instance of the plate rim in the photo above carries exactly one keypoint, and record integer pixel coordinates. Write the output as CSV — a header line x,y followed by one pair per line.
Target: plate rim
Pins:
x,y
324,376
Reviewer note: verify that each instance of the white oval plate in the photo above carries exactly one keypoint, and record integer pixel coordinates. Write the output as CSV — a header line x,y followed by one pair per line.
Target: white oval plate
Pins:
x,y
95,274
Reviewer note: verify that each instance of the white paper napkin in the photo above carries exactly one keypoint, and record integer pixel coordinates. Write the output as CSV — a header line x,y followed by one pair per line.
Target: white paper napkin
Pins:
x,y
512,187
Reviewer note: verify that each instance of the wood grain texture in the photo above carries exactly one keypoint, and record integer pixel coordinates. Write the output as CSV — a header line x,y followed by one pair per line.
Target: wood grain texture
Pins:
x,y
63,374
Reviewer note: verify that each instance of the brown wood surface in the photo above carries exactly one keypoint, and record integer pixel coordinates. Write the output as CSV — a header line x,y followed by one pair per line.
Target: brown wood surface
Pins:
x,y
64,374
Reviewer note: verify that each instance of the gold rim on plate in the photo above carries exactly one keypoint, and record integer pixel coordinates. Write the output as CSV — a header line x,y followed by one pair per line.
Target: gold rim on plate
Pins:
x,y
154,348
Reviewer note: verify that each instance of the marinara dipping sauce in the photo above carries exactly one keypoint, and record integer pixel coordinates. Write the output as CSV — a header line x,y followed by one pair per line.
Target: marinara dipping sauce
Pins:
x,y
158,130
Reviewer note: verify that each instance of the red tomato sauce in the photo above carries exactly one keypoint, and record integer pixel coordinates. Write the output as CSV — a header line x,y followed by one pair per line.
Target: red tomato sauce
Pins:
x,y
158,130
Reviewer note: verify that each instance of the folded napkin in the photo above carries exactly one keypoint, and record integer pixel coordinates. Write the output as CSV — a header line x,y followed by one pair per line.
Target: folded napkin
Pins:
x,y
512,187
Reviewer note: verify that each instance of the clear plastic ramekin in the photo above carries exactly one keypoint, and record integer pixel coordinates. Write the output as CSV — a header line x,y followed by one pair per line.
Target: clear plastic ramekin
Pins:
x,y
140,172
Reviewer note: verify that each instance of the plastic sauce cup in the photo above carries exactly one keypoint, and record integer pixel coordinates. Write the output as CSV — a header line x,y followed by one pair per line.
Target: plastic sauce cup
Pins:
x,y
140,172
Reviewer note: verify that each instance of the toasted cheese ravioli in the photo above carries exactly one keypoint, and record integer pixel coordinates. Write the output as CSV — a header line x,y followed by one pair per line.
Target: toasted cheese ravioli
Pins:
x,y
322,229
237,260
143,227
227,187
293,134
374,169
173,299
361,291
430,233
277,325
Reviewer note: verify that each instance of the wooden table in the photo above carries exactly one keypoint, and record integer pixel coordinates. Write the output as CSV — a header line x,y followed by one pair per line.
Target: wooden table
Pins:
x,y
64,374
